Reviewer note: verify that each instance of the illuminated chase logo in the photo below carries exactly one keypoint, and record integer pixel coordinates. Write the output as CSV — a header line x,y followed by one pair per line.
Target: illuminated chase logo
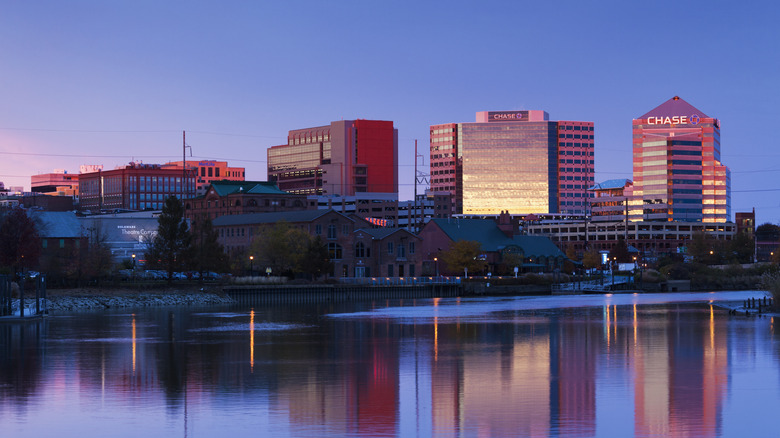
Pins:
x,y
507,116
674,120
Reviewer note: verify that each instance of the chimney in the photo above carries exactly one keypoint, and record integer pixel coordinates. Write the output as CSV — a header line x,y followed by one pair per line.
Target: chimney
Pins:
x,y
505,223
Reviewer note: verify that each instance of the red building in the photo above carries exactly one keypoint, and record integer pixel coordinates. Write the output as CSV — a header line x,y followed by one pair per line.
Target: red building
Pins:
x,y
343,158
355,248
133,187
678,175
223,198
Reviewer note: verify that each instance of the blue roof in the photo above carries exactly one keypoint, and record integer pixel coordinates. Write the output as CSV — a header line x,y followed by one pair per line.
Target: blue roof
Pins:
x,y
492,239
611,184
57,224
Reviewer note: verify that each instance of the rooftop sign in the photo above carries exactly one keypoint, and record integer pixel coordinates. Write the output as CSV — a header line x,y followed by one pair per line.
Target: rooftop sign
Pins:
x,y
507,116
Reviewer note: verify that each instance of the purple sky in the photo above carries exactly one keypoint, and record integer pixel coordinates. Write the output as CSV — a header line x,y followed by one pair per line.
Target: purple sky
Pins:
x,y
106,82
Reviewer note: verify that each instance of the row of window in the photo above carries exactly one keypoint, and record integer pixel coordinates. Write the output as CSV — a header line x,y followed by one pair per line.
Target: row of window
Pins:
x,y
577,136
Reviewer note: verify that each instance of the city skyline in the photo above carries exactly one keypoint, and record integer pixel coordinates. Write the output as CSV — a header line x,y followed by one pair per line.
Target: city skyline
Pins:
x,y
94,83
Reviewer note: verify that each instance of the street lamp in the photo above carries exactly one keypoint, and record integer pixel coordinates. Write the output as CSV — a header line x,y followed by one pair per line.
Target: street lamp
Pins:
x,y
251,265
133,267
436,262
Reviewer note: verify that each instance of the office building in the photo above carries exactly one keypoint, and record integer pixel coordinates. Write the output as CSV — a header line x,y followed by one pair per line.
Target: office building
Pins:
x,y
133,187
515,161
59,182
208,171
678,174
343,158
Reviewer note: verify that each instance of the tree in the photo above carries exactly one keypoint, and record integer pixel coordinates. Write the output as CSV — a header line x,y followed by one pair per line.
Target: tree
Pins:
x,y
317,260
205,252
591,259
92,261
742,248
619,252
281,247
704,248
167,248
463,255
20,244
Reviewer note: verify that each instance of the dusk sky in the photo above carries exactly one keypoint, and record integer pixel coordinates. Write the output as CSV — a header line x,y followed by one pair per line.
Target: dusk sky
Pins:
x,y
107,82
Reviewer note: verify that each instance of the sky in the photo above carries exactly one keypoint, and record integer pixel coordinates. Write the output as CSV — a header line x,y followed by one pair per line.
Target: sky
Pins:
x,y
109,82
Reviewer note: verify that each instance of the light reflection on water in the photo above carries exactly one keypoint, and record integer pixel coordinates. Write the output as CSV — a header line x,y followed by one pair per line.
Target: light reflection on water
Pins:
x,y
621,365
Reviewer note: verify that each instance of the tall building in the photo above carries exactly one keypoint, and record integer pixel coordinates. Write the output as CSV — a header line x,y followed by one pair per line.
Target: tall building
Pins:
x,y
343,158
515,161
678,175
208,171
133,187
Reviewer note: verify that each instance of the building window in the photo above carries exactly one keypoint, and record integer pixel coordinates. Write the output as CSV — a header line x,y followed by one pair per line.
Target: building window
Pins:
x,y
411,270
390,270
390,248
331,231
360,250
345,229
334,251
318,229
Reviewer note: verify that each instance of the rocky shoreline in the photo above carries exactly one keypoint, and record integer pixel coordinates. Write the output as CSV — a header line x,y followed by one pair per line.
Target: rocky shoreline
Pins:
x,y
76,300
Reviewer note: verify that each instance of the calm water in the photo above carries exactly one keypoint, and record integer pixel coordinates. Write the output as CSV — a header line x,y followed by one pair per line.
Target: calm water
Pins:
x,y
619,366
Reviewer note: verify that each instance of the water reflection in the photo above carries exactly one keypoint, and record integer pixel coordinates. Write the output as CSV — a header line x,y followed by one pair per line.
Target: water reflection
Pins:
x,y
618,369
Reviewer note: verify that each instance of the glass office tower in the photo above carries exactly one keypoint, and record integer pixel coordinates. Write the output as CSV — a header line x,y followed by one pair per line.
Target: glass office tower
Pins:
x,y
515,161
678,175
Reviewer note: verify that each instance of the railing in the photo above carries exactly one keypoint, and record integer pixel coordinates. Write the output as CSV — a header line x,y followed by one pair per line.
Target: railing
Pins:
x,y
399,281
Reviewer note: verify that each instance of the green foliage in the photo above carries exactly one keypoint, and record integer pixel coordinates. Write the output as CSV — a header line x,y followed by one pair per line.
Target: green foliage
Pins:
x,y
591,259
168,247
462,255
281,247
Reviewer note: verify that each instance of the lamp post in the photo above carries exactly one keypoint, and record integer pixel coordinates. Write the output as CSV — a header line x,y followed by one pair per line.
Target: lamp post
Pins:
x,y
436,262
251,266
133,267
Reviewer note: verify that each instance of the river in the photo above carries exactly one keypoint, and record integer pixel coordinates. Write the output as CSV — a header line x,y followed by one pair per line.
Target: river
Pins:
x,y
596,365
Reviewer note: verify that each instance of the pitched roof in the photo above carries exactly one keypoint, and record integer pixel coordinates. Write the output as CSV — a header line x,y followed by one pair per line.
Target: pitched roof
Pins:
x,y
266,218
492,239
57,224
484,231
537,246
224,188
674,107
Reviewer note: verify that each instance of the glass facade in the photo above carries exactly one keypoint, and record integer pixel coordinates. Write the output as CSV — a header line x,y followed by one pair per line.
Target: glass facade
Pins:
x,y
509,166
521,166
678,175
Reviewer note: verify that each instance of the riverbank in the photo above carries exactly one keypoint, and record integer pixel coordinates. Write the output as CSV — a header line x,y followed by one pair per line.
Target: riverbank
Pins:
x,y
68,300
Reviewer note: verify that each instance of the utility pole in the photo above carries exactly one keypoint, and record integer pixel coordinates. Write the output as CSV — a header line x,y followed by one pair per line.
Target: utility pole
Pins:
x,y
183,163
419,177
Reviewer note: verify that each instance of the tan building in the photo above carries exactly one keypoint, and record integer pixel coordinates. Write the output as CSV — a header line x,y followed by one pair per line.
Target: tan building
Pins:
x,y
208,171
